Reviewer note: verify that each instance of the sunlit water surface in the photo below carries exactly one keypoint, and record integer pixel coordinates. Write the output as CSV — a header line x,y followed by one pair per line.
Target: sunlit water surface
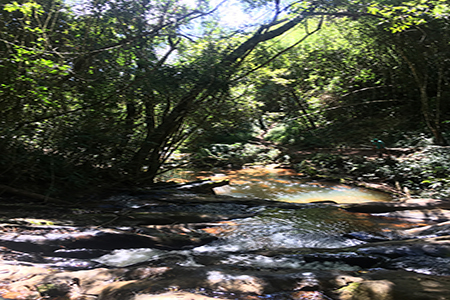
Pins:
x,y
274,229
284,185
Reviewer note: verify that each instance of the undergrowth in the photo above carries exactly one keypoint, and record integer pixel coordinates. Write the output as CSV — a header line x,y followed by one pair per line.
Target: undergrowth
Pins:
x,y
425,173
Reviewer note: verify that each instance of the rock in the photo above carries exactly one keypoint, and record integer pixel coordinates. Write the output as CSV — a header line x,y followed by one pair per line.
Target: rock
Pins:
x,y
221,281
123,290
352,259
413,286
309,295
16,272
385,207
173,296
19,281
374,290
54,241
427,256
203,186
423,215
344,280
180,217
331,202
439,229
364,236
177,223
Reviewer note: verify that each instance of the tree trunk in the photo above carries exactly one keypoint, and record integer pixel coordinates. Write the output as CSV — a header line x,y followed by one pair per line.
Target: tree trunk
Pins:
x,y
301,105
150,152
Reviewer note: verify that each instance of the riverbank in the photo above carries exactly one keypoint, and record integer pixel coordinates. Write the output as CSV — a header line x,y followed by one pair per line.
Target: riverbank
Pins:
x,y
421,172
167,244
404,173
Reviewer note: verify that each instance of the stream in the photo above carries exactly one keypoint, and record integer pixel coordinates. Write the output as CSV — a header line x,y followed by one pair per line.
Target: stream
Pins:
x,y
314,226
280,184
269,234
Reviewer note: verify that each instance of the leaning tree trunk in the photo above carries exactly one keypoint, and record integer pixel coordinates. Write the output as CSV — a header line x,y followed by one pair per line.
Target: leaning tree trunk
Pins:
x,y
152,148
301,104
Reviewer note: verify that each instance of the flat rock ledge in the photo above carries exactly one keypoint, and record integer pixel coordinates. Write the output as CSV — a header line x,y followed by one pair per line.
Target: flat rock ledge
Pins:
x,y
142,283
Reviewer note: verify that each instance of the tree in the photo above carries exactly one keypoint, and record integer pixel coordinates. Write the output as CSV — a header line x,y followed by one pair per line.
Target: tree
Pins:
x,y
110,90
365,68
421,39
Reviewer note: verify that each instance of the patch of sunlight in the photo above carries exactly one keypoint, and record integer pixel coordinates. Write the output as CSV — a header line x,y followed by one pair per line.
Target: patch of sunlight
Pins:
x,y
31,221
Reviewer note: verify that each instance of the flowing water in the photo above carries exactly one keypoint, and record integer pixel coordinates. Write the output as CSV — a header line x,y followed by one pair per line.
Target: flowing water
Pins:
x,y
284,185
275,229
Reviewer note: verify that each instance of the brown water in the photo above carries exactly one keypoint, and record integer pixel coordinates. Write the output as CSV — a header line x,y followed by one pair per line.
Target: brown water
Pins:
x,y
274,229
284,185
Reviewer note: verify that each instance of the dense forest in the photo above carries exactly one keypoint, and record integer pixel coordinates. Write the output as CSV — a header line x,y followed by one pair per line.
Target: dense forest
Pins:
x,y
100,94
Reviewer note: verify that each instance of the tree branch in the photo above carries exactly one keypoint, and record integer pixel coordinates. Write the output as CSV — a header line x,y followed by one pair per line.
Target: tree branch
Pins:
x,y
319,26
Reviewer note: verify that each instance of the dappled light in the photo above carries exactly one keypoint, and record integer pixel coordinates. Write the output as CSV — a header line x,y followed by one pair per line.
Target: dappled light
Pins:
x,y
229,150
285,185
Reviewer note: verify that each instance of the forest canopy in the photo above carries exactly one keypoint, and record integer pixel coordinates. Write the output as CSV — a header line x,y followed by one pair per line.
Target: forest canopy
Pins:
x,y
102,93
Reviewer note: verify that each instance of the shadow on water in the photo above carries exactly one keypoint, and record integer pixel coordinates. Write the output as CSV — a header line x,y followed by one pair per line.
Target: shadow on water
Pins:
x,y
282,251
313,226
283,185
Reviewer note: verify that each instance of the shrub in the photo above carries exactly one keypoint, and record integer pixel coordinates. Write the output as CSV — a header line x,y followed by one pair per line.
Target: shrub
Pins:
x,y
233,155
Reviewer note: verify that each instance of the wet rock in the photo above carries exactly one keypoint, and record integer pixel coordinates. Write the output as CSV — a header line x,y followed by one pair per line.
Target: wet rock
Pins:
x,y
203,186
163,230
165,218
243,283
365,236
385,207
423,215
71,264
421,264
144,272
413,286
56,242
427,256
82,253
353,259
331,202
439,229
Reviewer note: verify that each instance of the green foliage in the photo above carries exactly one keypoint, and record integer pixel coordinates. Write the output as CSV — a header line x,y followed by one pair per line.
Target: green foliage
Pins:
x,y
406,14
234,155
82,92
104,93
295,134
425,173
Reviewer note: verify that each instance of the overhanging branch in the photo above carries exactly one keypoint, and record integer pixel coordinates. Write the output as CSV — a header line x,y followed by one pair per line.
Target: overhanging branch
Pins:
x,y
319,26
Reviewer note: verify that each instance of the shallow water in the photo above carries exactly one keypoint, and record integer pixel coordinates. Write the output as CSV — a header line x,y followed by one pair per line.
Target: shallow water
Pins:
x,y
319,226
285,185
273,230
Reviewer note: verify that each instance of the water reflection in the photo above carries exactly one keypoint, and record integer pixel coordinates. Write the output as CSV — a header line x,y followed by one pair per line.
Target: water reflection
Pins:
x,y
284,185
312,227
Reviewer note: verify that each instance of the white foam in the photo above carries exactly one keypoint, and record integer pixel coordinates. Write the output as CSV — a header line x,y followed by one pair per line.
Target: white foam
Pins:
x,y
128,257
